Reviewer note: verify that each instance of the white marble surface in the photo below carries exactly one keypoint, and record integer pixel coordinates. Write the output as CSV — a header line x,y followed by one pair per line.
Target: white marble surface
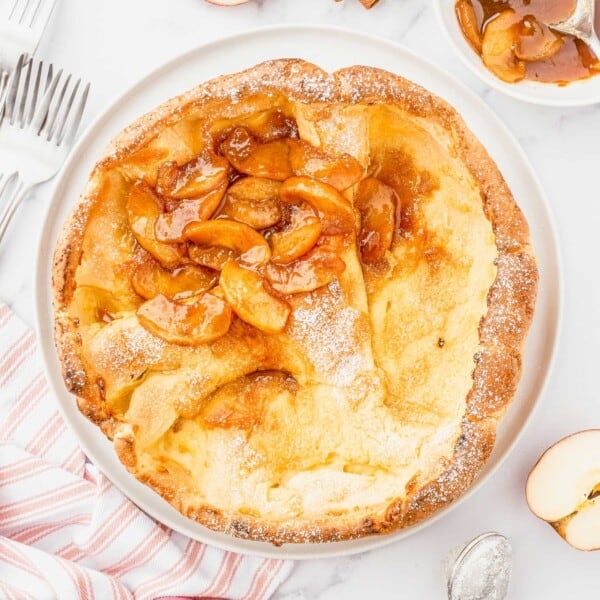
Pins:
x,y
114,42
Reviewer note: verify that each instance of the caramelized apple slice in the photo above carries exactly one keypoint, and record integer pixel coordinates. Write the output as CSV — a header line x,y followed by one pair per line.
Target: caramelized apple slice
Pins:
x,y
251,157
191,324
195,179
271,124
235,236
297,239
144,164
213,257
245,291
240,404
254,201
334,210
143,209
150,279
536,41
377,205
307,274
467,20
340,172
497,48
169,226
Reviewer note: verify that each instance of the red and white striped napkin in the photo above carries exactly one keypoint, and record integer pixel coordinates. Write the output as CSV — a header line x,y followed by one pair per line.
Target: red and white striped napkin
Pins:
x,y
67,533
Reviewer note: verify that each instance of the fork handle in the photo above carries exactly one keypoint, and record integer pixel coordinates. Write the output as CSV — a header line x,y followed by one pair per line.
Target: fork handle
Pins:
x,y
9,210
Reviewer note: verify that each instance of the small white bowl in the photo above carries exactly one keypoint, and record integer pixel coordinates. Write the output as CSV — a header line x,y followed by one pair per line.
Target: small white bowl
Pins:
x,y
577,93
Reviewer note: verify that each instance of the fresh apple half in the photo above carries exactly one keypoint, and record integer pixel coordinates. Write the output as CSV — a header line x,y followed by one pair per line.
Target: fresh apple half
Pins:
x,y
564,489
227,2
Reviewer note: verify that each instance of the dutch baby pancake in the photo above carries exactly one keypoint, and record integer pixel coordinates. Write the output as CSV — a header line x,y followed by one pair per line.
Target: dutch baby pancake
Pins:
x,y
297,302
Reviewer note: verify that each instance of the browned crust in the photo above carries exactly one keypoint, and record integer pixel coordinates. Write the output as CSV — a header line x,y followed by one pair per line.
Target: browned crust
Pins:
x,y
503,330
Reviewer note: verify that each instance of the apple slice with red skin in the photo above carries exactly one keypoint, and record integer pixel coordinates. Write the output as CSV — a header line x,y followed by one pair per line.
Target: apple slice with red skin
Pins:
x,y
564,489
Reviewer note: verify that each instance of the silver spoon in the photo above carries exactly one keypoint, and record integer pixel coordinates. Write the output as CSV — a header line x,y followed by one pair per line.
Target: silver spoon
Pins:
x,y
481,571
581,25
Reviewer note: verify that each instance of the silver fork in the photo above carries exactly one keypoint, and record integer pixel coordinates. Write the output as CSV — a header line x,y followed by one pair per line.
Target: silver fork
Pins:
x,y
24,76
35,138
22,23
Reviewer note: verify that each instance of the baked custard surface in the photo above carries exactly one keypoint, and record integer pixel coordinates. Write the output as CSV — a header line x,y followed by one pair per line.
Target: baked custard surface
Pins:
x,y
297,302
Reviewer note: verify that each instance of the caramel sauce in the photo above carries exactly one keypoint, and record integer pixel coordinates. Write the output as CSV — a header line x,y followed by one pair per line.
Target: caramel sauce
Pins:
x,y
266,126
377,204
312,271
541,53
546,11
240,404
398,170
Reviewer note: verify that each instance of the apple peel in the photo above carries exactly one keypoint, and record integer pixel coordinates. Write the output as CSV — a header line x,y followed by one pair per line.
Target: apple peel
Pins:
x,y
563,489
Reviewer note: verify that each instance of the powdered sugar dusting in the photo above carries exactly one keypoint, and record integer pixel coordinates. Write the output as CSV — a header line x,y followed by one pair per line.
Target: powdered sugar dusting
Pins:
x,y
129,347
326,329
316,84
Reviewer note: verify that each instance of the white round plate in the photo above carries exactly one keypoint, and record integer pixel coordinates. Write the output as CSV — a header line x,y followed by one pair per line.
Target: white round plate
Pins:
x,y
330,48
576,93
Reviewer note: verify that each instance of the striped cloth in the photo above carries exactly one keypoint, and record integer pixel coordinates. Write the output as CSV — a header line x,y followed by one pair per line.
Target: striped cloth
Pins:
x,y
67,533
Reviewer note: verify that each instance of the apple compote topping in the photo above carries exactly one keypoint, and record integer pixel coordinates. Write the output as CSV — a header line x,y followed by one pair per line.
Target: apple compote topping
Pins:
x,y
516,41
377,205
240,228
144,206
253,201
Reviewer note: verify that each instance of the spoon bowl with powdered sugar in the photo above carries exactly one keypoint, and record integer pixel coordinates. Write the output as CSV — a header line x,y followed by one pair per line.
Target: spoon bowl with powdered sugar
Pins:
x,y
481,570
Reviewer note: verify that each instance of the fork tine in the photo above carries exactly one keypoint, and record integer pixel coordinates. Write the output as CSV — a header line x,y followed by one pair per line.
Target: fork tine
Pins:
x,y
58,136
36,91
30,13
53,115
69,137
36,12
39,120
11,14
42,13
24,96
24,11
13,89
49,76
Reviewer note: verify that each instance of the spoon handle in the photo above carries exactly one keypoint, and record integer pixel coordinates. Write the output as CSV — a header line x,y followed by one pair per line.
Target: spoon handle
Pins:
x,y
594,45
